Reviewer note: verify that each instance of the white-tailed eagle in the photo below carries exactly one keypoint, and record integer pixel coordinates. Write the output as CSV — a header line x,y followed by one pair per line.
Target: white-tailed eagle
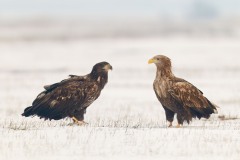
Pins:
x,y
70,97
177,95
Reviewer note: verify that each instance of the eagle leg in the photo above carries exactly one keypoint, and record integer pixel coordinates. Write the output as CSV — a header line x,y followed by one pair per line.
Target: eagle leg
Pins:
x,y
75,120
180,118
169,115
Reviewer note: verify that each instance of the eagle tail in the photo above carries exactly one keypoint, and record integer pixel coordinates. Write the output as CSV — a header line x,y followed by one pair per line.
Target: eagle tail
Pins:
x,y
204,112
213,106
27,111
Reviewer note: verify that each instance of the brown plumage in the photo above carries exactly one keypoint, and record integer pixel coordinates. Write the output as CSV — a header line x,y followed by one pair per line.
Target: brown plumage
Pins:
x,y
177,95
70,97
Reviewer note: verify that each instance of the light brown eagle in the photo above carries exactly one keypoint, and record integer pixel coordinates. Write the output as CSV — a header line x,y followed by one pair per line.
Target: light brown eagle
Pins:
x,y
177,95
70,97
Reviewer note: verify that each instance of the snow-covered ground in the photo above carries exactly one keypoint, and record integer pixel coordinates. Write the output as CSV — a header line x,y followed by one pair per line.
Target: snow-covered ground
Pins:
x,y
127,121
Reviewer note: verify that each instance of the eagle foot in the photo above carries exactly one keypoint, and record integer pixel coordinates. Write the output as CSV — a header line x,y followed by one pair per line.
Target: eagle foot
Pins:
x,y
178,126
170,124
81,123
76,121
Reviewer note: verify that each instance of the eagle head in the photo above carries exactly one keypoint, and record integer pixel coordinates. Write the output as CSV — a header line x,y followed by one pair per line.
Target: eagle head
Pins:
x,y
160,61
101,68
100,72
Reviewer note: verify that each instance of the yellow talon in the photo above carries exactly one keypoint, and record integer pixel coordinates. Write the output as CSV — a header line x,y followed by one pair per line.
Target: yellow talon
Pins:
x,y
80,123
178,125
76,121
170,124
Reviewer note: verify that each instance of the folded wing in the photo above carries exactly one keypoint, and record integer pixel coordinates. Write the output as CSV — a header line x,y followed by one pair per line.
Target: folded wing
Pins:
x,y
192,98
60,99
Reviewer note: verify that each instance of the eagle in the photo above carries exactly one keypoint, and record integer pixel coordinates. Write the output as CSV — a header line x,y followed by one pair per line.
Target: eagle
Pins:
x,y
70,97
177,95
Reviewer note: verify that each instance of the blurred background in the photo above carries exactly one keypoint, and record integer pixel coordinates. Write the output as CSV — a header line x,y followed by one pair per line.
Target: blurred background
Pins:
x,y
42,41
77,19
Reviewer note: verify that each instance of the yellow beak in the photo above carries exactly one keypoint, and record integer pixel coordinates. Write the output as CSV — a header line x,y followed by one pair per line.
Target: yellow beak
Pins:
x,y
151,61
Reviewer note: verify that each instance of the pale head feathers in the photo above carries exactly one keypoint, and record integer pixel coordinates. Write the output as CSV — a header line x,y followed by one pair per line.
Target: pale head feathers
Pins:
x,y
163,63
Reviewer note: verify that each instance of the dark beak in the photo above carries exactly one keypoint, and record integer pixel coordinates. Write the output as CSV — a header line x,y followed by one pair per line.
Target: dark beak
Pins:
x,y
110,67
107,67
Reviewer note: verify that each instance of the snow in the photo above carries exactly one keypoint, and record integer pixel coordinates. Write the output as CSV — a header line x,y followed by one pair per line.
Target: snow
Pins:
x,y
127,120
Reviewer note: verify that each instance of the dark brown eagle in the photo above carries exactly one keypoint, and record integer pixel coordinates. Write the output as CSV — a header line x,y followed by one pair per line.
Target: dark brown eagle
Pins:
x,y
70,97
177,95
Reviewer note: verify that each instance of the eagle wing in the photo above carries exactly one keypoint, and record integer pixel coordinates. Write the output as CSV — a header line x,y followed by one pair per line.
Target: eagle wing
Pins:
x,y
60,99
190,96
72,78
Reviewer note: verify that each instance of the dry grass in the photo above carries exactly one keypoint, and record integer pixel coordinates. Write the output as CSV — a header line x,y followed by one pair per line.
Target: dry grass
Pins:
x,y
228,117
